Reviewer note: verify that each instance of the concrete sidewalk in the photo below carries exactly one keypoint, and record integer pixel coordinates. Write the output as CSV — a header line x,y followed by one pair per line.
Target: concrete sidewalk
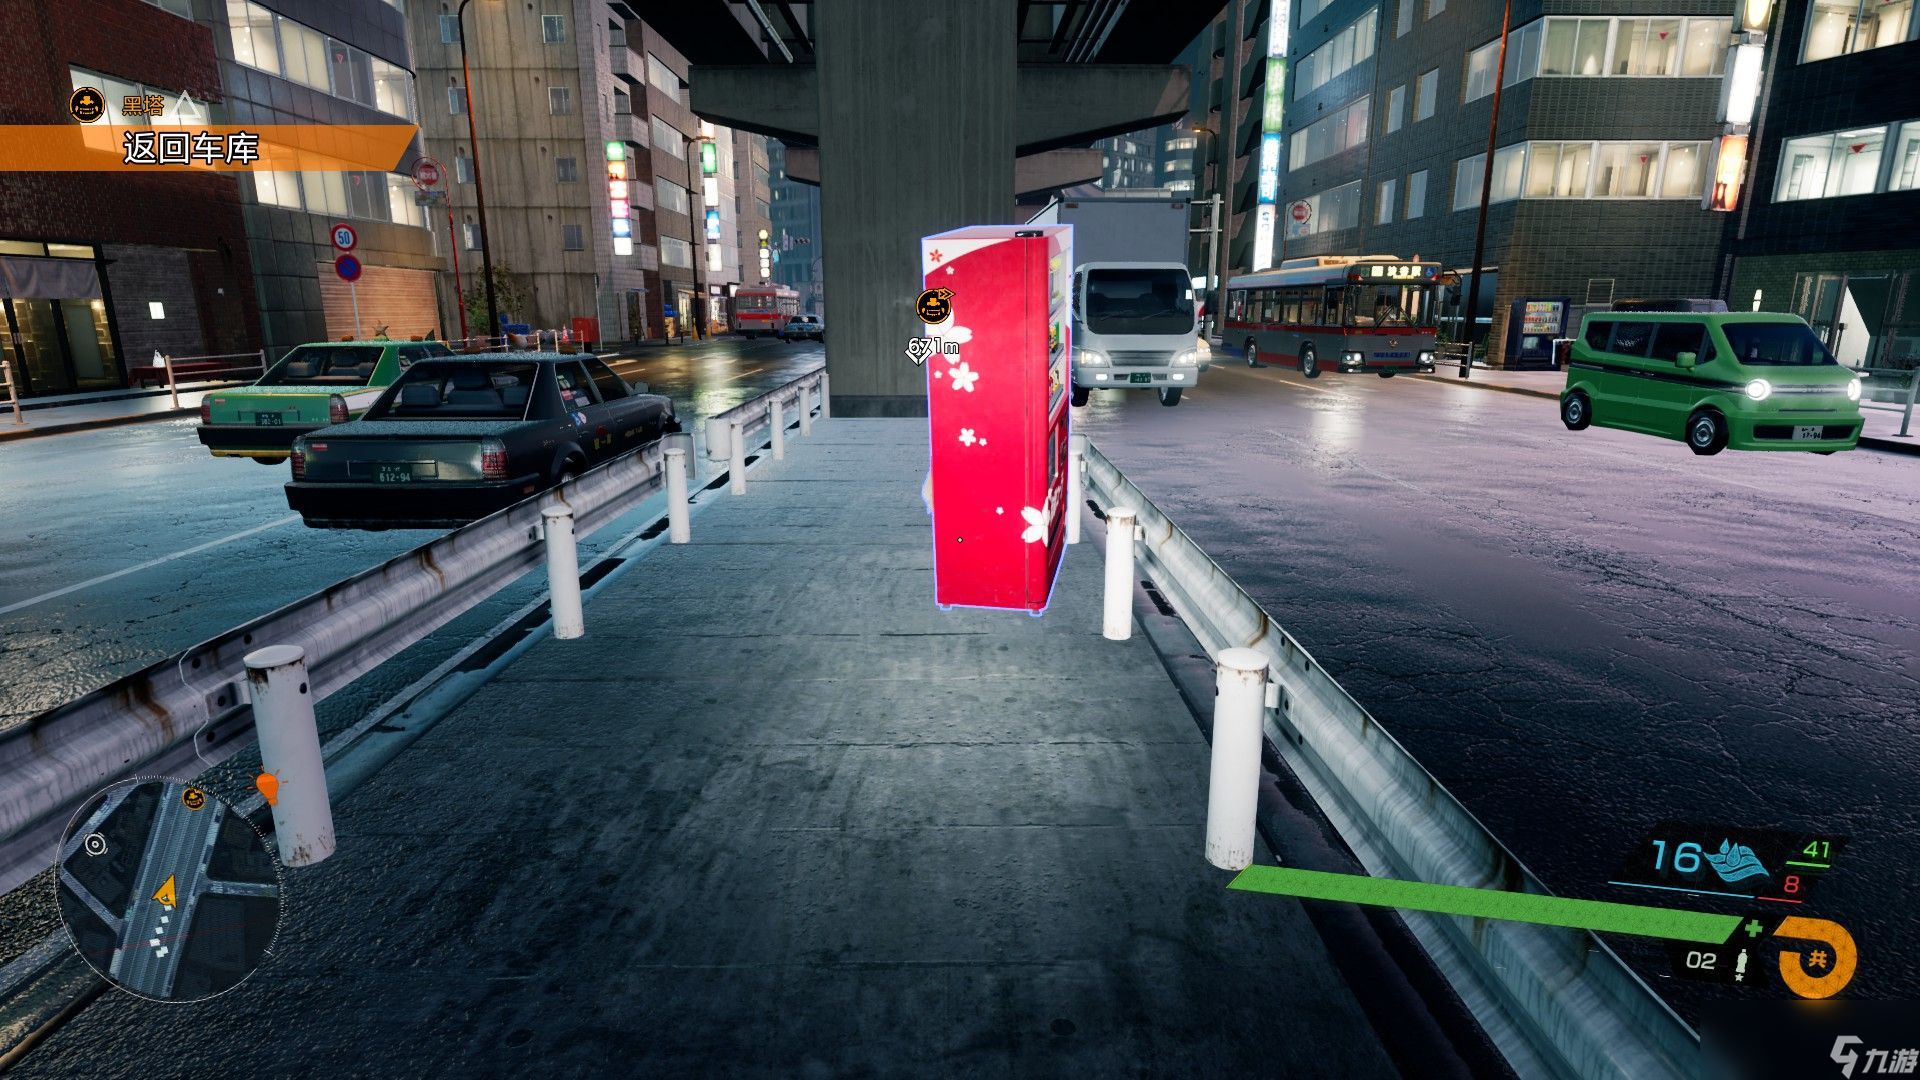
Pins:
x,y
776,815
85,415
1879,430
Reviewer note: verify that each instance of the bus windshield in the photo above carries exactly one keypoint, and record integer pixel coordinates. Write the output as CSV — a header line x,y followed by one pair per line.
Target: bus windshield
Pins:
x,y
1396,304
1139,301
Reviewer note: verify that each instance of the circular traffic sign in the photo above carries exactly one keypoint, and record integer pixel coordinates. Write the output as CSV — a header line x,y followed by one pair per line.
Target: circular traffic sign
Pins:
x,y
1300,211
426,173
347,267
344,237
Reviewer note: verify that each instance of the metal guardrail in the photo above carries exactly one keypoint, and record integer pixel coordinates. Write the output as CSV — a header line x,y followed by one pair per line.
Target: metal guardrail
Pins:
x,y
1555,996
191,709
1903,397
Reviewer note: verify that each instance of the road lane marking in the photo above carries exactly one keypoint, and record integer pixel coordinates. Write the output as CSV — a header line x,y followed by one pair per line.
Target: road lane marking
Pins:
x,y
148,565
1277,377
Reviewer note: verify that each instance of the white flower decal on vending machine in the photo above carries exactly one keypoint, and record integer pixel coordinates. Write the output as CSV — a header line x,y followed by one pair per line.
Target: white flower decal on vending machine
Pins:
x,y
1038,522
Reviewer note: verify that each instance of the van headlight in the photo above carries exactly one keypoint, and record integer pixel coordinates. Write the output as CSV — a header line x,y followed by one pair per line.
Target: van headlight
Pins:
x,y
1186,358
1426,358
1759,389
1353,358
1853,390
1090,357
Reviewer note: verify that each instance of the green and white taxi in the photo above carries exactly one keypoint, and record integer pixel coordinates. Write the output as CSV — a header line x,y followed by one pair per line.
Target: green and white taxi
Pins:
x,y
311,387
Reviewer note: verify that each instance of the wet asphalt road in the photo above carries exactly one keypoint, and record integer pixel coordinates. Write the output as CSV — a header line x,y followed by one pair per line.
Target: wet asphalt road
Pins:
x,y
1581,633
225,548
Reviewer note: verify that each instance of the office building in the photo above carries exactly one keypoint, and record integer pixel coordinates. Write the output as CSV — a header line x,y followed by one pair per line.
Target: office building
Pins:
x,y
753,209
1828,223
1607,124
796,233
99,270
328,62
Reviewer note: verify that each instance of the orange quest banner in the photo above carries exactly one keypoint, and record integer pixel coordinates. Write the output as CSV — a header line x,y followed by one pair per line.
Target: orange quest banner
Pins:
x,y
204,148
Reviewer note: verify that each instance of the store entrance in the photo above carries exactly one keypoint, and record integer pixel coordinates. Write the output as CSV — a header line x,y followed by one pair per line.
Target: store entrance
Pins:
x,y
61,346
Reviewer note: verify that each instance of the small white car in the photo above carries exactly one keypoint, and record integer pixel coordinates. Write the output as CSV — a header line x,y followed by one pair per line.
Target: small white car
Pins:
x,y
804,326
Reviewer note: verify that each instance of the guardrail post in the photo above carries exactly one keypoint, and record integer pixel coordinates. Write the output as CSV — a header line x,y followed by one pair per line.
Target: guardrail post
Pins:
x,y
806,410
13,392
1076,465
1233,786
779,424
563,572
826,396
678,529
1913,388
737,457
290,753
1117,618
173,387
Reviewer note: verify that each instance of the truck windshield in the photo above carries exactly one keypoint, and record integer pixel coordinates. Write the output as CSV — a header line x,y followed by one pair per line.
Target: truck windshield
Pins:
x,y
1139,302
1410,306
325,365
1776,344
458,390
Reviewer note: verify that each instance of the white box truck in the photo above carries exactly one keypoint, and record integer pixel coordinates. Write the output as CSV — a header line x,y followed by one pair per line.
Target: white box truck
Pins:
x,y
1135,324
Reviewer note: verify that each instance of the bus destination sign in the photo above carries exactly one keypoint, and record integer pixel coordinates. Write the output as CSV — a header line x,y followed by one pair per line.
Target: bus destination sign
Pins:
x,y
1391,272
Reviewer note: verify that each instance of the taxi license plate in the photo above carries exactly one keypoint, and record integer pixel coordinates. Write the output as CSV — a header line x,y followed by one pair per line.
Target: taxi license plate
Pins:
x,y
268,419
1809,431
1140,376
393,473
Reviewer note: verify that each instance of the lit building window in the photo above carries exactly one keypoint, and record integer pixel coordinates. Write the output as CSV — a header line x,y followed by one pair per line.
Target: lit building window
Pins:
x,y
1840,27
1838,163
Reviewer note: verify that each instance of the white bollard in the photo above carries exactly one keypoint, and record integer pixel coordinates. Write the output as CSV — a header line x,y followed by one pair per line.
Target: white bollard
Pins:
x,y
1117,620
737,458
1233,790
1076,461
678,530
778,423
806,410
826,397
717,448
563,572
290,751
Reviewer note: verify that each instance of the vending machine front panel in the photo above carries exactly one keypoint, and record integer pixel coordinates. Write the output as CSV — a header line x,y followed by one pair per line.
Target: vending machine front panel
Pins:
x,y
996,412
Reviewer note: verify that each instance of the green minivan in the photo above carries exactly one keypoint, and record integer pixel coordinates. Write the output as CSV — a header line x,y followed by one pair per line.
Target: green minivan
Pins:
x,y
313,386
1747,380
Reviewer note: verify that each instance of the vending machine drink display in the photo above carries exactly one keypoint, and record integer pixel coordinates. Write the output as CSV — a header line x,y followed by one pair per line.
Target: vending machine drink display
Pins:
x,y
996,307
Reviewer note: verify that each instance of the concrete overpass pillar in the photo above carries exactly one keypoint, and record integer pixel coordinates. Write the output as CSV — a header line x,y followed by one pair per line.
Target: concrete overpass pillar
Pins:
x,y
917,130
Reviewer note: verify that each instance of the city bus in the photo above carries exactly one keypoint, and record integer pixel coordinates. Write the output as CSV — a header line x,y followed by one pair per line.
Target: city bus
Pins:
x,y
763,309
1336,313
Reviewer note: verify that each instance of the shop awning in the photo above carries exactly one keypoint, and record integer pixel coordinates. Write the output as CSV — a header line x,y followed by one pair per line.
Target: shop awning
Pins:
x,y
28,278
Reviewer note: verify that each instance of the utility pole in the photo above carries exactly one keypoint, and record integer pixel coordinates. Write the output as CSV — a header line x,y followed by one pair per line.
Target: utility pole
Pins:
x,y
1216,282
1468,321
696,229
479,189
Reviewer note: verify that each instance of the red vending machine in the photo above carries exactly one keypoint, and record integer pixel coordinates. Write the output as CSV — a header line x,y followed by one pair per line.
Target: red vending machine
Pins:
x,y
996,307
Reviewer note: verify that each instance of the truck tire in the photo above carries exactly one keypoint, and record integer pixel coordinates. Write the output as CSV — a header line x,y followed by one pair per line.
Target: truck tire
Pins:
x,y
1081,394
1170,396
1309,363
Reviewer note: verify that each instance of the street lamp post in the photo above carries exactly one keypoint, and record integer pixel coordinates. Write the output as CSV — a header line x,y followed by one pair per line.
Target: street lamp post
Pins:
x,y
1468,320
479,189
